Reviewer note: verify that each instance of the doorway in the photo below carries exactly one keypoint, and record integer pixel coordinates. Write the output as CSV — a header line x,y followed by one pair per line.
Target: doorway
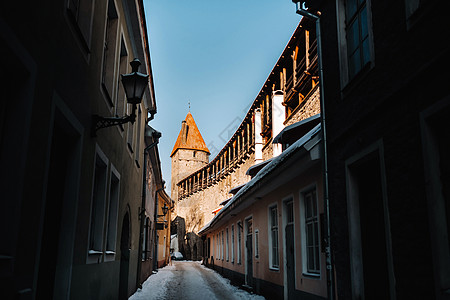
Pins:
x,y
59,220
371,260
290,249
249,254
124,257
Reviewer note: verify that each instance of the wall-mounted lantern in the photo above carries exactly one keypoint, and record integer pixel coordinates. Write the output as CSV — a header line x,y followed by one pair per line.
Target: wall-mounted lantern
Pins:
x,y
134,85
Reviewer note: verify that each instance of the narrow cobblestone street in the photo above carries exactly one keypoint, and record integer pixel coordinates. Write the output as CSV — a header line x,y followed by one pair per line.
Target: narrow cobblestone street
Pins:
x,y
190,280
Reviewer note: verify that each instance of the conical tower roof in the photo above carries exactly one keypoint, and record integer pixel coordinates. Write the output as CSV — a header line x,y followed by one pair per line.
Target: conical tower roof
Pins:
x,y
189,137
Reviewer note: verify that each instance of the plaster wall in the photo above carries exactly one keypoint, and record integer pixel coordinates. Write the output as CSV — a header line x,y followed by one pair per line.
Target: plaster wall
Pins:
x,y
259,212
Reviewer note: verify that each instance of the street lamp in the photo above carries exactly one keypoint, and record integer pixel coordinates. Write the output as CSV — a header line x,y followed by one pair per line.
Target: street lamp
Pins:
x,y
134,85
165,209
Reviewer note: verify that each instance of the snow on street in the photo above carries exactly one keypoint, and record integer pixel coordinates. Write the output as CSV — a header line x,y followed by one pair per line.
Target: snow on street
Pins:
x,y
189,280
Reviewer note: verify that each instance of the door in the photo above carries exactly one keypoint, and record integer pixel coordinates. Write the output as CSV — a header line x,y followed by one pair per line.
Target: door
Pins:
x,y
289,246
59,219
124,257
248,244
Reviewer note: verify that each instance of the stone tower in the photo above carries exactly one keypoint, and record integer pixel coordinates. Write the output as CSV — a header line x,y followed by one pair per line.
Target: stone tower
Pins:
x,y
189,153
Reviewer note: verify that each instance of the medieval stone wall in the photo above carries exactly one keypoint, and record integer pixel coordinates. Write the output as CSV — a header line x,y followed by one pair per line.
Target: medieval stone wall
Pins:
x,y
310,108
197,208
185,162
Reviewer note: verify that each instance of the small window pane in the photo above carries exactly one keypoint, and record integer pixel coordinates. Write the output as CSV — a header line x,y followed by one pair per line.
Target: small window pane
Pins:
x,y
310,258
354,63
363,21
365,51
353,36
350,6
309,235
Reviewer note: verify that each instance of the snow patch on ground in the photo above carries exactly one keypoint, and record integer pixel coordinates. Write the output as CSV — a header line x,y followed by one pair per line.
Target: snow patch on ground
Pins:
x,y
199,282
156,285
233,290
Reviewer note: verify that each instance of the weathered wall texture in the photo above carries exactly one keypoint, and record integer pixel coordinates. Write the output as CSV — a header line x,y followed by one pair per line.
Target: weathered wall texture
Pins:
x,y
184,163
310,108
197,208
267,151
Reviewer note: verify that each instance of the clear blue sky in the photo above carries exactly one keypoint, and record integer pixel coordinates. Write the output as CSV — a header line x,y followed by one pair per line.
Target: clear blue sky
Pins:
x,y
215,54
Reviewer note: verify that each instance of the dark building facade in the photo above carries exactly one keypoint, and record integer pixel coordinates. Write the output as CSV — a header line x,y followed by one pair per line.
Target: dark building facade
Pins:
x,y
71,197
387,106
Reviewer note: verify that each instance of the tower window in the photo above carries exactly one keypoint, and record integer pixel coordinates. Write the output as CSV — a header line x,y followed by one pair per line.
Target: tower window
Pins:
x,y
193,153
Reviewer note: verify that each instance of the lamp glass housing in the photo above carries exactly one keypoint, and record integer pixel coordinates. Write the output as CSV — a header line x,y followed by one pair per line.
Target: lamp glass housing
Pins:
x,y
165,209
134,85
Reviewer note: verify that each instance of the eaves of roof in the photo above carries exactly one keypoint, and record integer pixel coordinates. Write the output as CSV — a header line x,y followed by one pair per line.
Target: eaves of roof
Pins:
x,y
302,146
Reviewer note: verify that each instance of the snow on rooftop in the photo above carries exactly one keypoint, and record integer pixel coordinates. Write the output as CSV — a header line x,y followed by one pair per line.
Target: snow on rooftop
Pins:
x,y
274,163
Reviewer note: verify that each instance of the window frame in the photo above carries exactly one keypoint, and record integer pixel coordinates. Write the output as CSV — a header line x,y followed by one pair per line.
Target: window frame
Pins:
x,y
96,243
232,243
111,47
227,249
112,215
256,243
82,24
343,44
274,265
304,233
239,239
222,246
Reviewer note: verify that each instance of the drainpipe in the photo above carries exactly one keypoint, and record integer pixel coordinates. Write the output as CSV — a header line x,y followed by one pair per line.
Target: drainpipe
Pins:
x,y
156,135
301,10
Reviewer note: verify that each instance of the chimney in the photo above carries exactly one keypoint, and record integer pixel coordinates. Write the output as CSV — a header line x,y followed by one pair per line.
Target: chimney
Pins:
x,y
258,137
278,117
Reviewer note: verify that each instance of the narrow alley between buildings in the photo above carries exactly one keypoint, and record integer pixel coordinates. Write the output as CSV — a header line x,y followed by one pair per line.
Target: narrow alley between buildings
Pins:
x,y
189,280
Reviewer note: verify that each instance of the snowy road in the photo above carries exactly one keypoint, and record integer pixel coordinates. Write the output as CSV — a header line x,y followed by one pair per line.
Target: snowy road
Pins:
x,y
189,280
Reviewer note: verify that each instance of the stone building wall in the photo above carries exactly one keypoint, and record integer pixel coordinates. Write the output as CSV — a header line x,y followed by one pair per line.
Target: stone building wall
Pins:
x,y
310,108
185,162
267,151
197,209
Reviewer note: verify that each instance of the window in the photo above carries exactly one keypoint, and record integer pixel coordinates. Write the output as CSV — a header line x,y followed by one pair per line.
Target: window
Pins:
x,y
239,241
138,135
273,238
217,248
232,243
145,239
311,233
358,50
222,248
120,100
227,247
411,7
130,133
98,204
256,243
109,52
112,212
355,30
164,247
80,13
